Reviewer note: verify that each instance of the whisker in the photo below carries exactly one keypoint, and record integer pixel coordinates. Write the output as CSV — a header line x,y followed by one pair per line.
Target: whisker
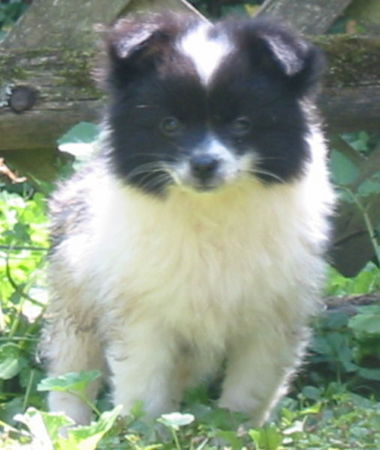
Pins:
x,y
266,172
149,178
141,182
151,183
173,175
145,168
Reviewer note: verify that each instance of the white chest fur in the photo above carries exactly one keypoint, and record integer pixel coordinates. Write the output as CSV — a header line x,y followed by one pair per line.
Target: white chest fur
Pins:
x,y
222,259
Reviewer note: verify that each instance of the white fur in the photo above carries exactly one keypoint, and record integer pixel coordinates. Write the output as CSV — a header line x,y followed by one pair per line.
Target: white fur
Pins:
x,y
205,53
171,287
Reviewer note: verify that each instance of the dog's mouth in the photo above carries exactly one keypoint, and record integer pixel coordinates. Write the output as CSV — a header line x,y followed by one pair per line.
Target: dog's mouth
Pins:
x,y
206,172
207,184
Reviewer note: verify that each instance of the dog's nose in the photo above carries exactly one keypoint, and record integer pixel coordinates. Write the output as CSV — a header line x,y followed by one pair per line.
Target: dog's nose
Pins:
x,y
204,166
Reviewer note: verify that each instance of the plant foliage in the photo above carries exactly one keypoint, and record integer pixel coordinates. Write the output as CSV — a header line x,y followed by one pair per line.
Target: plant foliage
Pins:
x,y
10,11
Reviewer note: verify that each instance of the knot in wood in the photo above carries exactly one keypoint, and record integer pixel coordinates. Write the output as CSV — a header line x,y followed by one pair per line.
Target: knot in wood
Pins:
x,y
22,98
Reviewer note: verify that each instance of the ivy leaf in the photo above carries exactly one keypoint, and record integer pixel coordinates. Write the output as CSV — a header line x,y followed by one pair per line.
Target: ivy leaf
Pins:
x,y
74,382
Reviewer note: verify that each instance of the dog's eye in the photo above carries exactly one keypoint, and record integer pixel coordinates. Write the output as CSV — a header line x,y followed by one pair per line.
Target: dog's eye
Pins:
x,y
171,126
241,126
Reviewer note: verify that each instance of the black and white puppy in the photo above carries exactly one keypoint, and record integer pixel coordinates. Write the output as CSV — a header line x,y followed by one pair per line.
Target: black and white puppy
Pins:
x,y
196,236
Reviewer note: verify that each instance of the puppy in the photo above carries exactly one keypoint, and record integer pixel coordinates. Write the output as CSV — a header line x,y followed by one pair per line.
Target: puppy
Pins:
x,y
195,238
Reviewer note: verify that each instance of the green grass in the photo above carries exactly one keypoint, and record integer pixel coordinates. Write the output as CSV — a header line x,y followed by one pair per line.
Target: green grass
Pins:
x,y
334,403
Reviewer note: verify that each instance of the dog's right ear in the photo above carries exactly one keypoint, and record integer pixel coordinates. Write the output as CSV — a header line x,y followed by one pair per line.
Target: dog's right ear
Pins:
x,y
135,45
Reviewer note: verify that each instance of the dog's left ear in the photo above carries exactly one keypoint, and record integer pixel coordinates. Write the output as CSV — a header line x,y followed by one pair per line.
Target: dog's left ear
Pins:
x,y
278,51
302,62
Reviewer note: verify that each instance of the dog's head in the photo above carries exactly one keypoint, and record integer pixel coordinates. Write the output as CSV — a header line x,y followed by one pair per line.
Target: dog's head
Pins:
x,y
202,106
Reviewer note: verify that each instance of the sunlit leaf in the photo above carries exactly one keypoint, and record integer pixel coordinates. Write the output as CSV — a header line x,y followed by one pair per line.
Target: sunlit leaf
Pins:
x,y
175,420
87,437
69,382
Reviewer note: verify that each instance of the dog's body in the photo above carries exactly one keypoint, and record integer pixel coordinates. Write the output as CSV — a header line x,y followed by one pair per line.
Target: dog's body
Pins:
x,y
197,235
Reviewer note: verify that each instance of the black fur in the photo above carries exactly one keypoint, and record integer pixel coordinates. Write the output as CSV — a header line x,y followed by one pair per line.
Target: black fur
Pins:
x,y
267,78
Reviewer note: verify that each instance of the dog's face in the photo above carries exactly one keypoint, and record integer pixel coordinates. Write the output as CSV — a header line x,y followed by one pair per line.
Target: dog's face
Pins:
x,y
203,106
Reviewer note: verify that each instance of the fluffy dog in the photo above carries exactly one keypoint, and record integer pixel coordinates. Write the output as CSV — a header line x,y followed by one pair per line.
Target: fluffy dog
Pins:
x,y
195,238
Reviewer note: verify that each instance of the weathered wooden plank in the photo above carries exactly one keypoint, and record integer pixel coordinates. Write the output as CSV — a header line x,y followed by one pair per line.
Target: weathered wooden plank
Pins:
x,y
310,17
66,94
62,23
70,24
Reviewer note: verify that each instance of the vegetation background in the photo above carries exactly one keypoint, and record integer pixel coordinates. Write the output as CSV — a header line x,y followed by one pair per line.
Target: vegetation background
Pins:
x,y
335,401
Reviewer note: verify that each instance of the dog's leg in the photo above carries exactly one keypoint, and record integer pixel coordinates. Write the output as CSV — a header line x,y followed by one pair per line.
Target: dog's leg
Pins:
x,y
258,371
69,349
143,367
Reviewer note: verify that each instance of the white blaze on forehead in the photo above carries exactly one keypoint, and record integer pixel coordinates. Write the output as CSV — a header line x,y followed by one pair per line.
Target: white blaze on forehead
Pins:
x,y
206,52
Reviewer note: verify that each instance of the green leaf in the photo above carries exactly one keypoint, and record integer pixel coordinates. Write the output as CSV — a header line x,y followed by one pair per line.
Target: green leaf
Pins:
x,y
297,427
137,410
74,382
9,410
176,420
357,140
321,345
370,309
11,361
87,437
369,374
21,232
335,320
370,186
45,427
230,437
312,392
220,418
83,132
367,281
366,324
313,409
78,141
267,438
343,169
